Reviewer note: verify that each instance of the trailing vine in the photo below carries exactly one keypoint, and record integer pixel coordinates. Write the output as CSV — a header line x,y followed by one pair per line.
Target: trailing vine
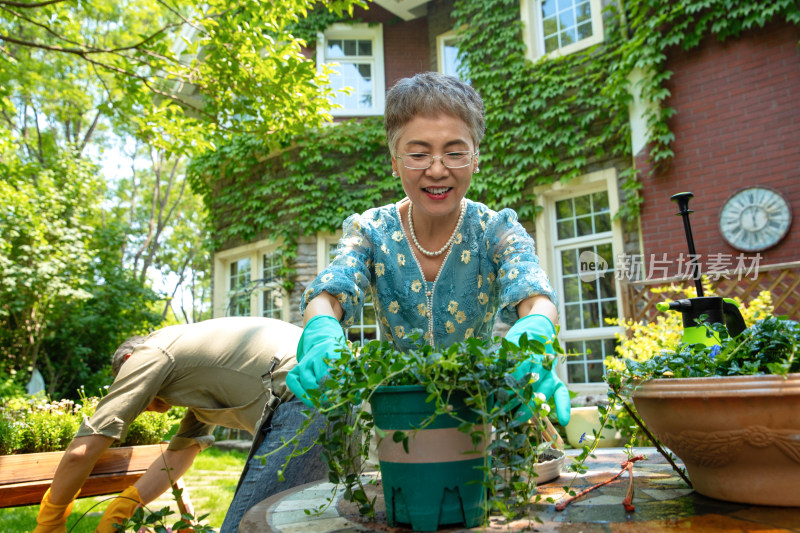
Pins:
x,y
311,186
547,121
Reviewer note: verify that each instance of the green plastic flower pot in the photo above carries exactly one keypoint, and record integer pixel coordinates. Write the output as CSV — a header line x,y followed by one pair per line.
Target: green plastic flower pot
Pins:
x,y
438,481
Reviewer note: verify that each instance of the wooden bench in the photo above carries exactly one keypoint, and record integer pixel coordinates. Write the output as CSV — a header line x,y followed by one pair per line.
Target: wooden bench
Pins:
x,y
24,478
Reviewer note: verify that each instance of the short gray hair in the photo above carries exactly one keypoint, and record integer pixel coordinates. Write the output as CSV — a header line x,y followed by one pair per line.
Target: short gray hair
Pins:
x,y
431,94
124,349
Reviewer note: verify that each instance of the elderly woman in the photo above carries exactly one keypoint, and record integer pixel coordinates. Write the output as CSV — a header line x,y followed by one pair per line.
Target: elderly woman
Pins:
x,y
435,261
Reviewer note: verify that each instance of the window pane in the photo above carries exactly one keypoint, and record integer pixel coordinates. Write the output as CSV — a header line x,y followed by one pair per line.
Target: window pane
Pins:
x,y
576,373
566,229
604,251
584,226
584,31
584,12
564,209
594,372
572,289
364,47
450,58
588,290
568,36
607,287
573,316
600,201
585,361
272,303
240,274
602,222
591,315
271,266
365,71
594,350
583,205
569,261
350,47
335,48
609,309
564,4
551,43
368,316
566,20
610,346
358,77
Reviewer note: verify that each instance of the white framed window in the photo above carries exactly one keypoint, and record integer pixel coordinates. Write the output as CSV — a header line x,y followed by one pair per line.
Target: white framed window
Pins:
x,y
249,277
447,53
365,328
238,299
271,288
560,27
355,53
578,241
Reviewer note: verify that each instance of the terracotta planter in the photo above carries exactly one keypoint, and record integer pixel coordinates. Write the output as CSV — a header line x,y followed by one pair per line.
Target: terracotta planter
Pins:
x,y
738,436
24,478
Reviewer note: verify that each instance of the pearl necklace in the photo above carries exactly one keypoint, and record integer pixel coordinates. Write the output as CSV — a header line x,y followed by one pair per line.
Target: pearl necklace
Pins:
x,y
449,241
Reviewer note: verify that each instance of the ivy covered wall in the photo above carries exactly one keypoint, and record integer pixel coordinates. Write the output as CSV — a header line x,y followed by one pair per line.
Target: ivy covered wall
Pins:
x,y
547,121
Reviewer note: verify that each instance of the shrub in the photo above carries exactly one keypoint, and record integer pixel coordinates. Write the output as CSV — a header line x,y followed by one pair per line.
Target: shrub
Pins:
x,y
34,424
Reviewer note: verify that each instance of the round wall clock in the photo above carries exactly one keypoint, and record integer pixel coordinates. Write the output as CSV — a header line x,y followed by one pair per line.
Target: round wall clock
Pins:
x,y
755,219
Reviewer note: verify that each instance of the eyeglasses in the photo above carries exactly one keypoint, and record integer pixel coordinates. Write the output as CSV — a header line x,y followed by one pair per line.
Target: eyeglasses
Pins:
x,y
450,160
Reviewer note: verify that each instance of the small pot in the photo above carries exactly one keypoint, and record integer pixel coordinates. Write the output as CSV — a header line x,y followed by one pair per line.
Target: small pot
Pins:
x,y
738,436
546,470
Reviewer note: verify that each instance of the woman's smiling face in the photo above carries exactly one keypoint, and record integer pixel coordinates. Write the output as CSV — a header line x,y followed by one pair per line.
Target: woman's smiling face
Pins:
x,y
436,191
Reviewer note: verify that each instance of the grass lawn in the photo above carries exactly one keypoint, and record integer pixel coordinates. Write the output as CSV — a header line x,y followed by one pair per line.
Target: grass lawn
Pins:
x,y
210,482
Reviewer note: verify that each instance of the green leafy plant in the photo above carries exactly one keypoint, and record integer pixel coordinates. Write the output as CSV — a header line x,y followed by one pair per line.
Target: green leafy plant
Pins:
x,y
480,370
35,424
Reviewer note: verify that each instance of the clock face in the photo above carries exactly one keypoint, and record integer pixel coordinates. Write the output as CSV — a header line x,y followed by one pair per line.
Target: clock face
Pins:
x,y
755,219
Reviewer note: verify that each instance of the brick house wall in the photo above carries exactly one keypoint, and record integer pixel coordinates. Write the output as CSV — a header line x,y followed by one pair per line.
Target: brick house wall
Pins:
x,y
405,44
737,125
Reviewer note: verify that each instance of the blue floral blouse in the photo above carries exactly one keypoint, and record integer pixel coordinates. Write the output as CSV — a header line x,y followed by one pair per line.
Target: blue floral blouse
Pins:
x,y
491,266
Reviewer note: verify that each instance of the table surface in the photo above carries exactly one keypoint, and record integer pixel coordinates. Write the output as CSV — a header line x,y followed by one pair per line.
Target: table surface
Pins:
x,y
662,501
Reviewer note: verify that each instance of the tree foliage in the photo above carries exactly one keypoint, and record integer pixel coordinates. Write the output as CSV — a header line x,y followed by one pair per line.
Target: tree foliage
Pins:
x,y
66,300
78,253
178,72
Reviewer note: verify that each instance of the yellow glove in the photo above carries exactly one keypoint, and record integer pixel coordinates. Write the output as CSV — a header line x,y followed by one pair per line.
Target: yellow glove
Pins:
x,y
53,518
120,509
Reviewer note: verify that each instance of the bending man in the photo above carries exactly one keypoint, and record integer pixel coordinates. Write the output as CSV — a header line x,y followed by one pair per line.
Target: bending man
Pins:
x,y
227,371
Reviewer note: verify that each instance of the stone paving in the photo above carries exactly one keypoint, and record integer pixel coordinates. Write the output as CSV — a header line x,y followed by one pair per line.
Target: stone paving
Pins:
x,y
663,502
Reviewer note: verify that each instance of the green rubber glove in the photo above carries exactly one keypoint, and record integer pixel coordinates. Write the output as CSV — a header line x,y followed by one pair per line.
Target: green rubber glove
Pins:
x,y
540,328
322,339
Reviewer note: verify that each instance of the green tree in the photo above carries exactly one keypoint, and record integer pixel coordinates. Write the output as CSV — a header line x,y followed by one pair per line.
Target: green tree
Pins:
x,y
54,265
178,72
78,254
